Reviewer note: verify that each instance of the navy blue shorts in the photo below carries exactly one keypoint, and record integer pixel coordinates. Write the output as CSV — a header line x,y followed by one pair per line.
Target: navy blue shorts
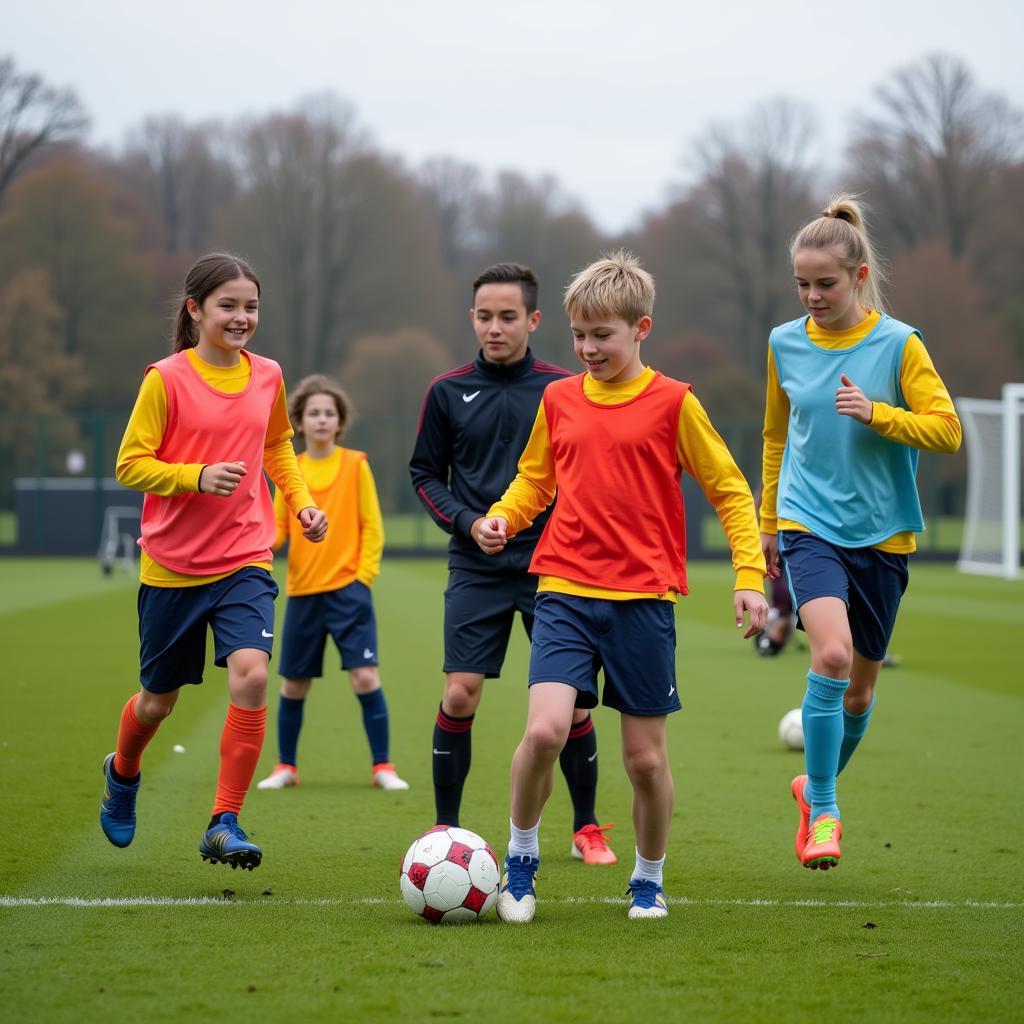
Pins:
x,y
870,582
478,612
346,615
633,641
173,620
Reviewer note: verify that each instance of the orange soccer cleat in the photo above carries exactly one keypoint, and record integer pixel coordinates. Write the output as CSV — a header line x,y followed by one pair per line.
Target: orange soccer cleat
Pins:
x,y
822,847
590,845
797,789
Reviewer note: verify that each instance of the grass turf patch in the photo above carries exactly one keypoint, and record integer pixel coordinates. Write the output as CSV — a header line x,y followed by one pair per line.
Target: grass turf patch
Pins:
x,y
922,920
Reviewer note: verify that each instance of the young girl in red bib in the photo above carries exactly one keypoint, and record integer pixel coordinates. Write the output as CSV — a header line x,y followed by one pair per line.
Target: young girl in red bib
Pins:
x,y
208,421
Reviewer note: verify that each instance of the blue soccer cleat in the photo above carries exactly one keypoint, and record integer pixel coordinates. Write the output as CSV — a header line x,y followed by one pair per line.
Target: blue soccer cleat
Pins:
x,y
646,899
517,897
227,843
117,811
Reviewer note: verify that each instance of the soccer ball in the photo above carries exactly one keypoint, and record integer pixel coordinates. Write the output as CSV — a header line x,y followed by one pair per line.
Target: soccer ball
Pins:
x,y
791,730
450,875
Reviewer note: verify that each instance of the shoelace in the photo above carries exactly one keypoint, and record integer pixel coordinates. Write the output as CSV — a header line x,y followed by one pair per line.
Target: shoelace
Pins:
x,y
823,828
233,828
121,802
595,835
521,873
644,892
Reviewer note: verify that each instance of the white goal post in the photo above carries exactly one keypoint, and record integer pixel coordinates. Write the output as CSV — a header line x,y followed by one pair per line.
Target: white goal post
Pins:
x,y
991,542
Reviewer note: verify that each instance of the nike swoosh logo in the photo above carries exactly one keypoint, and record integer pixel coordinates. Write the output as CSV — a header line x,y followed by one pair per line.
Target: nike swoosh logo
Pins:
x,y
367,653
440,752
469,398
673,690
264,633
593,757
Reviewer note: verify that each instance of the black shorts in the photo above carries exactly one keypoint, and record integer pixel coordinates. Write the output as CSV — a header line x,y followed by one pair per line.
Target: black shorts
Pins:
x,y
478,613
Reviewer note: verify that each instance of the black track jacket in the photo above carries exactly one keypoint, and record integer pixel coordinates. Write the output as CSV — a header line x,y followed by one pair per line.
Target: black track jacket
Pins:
x,y
475,423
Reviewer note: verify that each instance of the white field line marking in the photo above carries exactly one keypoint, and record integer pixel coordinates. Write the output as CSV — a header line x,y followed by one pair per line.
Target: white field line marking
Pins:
x,y
211,901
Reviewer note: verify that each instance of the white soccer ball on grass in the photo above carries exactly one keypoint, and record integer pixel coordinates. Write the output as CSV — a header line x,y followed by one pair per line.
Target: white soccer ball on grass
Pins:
x,y
450,875
791,730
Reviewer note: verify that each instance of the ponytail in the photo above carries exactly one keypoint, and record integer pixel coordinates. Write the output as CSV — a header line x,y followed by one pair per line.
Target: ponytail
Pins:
x,y
184,334
842,230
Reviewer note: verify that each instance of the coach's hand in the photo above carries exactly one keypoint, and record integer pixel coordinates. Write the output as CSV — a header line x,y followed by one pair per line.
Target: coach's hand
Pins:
x,y
221,478
490,534
314,524
752,602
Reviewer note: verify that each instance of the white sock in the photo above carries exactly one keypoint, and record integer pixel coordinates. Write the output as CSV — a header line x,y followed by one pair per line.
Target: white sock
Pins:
x,y
523,842
651,870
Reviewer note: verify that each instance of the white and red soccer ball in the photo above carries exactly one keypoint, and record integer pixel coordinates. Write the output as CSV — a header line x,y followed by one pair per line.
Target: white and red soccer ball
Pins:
x,y
450,874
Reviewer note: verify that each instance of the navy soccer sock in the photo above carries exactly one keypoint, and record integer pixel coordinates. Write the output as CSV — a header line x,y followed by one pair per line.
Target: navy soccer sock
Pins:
x,y
375,722
579,766
854,727
452,755
289,725
822,714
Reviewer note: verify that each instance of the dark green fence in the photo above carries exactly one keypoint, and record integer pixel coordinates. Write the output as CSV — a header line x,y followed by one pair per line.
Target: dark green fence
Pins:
x,y
56,485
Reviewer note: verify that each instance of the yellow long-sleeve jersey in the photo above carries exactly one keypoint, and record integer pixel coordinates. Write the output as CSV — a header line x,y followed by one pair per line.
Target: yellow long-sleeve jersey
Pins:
x,y
343,486
701,453
931,423
139,468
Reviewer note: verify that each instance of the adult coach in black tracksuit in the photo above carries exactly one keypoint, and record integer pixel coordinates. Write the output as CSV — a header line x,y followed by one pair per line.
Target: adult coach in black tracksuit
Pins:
x,y
475,423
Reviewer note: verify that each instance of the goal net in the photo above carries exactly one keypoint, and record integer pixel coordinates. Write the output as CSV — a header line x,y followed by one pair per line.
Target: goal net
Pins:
x,y
992,522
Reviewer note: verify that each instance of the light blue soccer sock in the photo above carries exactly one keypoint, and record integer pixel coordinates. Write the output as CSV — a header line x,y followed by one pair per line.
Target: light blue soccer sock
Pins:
x,y
651,870
375,722
854,727
289,725
524,842
822,714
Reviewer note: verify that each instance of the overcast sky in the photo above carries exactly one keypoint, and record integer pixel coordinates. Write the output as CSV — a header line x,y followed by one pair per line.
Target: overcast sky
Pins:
x,y
604,95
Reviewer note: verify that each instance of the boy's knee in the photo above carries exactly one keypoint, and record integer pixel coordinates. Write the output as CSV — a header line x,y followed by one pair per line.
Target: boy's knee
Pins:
x,y
545,739
462,693
645,767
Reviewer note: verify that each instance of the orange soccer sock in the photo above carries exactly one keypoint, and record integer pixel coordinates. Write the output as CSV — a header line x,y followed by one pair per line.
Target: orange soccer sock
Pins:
x,y
133,737
240,745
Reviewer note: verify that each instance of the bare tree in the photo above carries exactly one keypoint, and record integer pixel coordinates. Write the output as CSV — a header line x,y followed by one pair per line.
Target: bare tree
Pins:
x,y
184,181
32,114
454,192
930,157
341,234
754,192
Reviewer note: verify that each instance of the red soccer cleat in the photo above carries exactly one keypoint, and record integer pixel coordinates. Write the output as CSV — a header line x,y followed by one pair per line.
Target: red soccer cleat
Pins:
x,y
590,845
797,789
822,848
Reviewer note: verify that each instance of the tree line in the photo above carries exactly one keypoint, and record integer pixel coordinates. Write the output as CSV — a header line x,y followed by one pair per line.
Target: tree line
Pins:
x,y
366,260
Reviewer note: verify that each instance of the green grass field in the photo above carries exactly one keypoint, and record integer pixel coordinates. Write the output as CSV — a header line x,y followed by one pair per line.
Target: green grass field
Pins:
x,y
923,921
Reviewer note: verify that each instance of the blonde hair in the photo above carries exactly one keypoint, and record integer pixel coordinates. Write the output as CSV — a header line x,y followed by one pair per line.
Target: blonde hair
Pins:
x,y
318,384
613,286
841,229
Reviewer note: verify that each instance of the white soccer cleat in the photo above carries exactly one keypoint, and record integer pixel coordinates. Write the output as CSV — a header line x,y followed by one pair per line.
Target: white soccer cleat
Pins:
x,y
385,777
517,897
646,899
283,776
